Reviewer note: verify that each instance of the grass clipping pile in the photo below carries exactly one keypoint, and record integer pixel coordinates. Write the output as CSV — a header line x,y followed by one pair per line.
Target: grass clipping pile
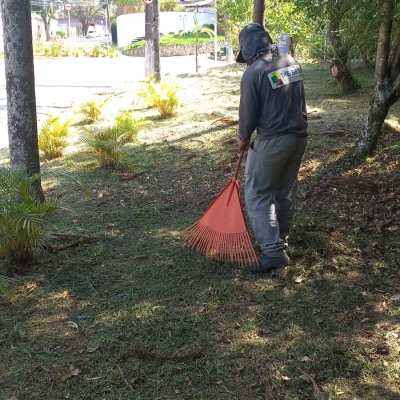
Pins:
x,y
138,314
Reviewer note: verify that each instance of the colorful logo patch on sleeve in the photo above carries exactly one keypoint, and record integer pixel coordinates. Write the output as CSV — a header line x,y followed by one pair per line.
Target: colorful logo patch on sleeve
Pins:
x,y
285,76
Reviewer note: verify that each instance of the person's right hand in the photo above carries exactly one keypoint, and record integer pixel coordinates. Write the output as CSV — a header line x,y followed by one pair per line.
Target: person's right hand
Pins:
x,y
243,146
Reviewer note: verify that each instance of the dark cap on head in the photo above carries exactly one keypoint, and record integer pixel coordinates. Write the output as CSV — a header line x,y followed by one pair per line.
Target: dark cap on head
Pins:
x,y
252,36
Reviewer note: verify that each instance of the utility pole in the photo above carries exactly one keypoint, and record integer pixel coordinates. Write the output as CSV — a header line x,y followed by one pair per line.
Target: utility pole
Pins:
x,y
215,32
156,32
149,39
108,25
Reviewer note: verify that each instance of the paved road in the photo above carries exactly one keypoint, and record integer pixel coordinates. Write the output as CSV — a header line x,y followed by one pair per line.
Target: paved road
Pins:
x,y
62,81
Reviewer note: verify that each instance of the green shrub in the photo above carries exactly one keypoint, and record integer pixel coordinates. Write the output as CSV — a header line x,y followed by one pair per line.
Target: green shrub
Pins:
x,y
129,125
97,51
76,51
66,51
92,110
112,52
209,26
108,145
24,225
62,34
52,137
38,47
162,96
54,50
170,5
103,51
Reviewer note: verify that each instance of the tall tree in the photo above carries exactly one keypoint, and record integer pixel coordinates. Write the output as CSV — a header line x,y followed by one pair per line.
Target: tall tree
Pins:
x,y
259,12
84,11
47,13
20,87
239,13
283,16
387,80
329,15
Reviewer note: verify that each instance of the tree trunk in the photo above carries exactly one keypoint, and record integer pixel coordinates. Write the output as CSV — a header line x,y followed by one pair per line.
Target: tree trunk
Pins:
x,y
20,86
46,24
387,79
343,75
339,63
46,27
368,138
259,12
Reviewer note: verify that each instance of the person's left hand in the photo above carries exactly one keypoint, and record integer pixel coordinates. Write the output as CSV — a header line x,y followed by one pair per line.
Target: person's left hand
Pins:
x,y
243,146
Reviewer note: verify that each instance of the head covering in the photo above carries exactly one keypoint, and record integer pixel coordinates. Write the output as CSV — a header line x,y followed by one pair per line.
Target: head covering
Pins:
x,y
252,39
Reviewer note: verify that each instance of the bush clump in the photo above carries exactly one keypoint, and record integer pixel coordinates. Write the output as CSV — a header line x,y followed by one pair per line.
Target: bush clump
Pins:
x,y
92,110
130,125
162,96
52,137
24,223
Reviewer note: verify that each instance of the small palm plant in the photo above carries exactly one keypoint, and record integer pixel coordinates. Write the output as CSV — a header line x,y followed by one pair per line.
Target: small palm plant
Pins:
x,y
24,223
197,31
108,145
130,125
52,137
162,96
92,110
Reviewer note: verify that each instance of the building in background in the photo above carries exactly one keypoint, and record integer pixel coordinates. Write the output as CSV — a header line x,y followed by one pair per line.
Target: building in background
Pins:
x,y
38,32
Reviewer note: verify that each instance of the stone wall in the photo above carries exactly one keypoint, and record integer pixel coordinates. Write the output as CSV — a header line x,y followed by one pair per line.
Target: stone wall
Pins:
x,y
177,50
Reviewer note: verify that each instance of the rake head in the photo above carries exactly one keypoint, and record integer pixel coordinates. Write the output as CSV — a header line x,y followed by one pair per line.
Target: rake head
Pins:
x,y
222,232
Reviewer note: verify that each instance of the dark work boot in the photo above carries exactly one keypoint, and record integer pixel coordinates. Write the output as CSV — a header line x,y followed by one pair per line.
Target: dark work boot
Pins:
x,y
269,263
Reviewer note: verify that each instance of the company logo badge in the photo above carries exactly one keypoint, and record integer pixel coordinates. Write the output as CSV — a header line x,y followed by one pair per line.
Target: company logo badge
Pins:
x,y
285,76
276,79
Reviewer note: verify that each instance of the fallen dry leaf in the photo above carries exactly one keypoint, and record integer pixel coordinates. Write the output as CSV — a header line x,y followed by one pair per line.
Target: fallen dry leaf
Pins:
x,y
226,339
92,349
71,372
367,320
26,289
383,306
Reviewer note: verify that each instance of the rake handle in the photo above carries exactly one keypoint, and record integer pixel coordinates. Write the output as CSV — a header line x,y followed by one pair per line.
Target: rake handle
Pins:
x,y
238,164
234,179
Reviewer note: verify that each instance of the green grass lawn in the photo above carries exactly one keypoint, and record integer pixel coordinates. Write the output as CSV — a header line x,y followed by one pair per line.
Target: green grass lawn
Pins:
x,y
136,314
174,39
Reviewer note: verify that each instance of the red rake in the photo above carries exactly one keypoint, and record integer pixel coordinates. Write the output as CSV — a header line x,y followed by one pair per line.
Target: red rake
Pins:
x,y
222,230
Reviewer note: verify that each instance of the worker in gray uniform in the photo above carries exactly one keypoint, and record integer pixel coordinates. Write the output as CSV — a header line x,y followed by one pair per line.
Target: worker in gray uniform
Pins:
x,y
272,101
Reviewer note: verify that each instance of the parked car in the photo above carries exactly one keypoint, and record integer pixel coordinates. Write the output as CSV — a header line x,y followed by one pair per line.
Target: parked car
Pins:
x,y
92,34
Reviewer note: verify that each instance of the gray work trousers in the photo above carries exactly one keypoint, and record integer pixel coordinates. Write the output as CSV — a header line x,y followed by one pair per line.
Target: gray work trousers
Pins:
x,y
271,172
